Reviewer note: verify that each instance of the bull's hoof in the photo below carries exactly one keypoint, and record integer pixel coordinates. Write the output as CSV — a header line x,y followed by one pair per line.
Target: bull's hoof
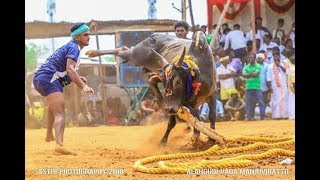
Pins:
x,y
163,143
211,142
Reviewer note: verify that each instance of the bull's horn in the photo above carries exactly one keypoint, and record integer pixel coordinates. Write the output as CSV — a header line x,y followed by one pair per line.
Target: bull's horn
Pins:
x,y
161,58
179,62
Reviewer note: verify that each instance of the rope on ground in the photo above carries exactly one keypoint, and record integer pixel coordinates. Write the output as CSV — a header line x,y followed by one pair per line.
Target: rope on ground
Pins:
x,y
274,147
278,146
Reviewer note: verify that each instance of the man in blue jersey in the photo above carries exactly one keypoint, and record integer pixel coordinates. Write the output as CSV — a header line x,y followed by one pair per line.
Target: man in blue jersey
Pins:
x,y
58,71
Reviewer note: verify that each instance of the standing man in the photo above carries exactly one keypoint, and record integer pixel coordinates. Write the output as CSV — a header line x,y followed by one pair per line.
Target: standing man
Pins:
x,y
253,88
181,29
277,85
57,72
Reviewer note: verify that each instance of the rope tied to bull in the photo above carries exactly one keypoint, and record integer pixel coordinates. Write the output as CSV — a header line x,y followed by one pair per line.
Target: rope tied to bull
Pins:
x,y
279,146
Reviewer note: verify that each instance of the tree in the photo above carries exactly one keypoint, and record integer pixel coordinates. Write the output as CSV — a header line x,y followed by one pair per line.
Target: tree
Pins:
x,y
32,53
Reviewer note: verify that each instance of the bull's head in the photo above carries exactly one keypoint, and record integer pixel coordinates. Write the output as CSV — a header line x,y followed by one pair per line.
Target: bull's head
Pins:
x,y
175,81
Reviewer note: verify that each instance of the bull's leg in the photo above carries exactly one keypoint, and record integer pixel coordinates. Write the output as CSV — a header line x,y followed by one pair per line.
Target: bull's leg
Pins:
x,y
154,87
212,115
171,124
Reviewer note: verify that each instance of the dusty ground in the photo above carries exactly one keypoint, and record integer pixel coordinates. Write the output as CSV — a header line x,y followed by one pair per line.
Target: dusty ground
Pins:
x,y
118,147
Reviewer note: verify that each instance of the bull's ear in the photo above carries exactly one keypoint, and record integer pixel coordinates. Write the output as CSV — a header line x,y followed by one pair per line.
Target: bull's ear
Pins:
x,y
195,73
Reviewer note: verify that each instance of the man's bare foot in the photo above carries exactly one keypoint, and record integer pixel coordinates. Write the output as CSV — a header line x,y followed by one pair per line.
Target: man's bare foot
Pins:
x,y
50,138
63,151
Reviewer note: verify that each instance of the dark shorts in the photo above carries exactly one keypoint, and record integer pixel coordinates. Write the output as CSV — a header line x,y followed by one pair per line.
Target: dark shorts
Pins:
x,y
238,53
46,88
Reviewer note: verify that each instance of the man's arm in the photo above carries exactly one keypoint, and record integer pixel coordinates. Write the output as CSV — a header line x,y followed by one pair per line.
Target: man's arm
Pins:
x,y
74,76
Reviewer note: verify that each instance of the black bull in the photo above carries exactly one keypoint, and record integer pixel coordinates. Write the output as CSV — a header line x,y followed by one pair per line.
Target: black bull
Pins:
x,y
155,55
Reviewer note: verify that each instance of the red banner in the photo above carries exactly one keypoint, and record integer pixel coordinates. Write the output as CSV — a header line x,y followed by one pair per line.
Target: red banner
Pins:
x,y
280,9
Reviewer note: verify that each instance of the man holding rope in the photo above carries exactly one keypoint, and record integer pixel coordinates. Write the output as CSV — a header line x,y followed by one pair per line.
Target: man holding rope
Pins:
x,y
57,72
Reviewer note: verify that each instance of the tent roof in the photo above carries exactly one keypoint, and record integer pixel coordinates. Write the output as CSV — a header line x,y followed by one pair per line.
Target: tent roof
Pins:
x,y
41,29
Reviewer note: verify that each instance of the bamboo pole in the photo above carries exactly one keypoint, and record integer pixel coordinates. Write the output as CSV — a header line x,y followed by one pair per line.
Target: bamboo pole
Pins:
x,y
215,32
184,10
253,26
102,89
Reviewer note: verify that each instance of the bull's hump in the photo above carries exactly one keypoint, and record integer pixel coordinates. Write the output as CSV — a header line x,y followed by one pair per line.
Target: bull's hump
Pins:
x,y
174,48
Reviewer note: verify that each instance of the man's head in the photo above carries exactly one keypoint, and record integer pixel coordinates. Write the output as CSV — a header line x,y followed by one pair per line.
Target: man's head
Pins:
x,y
259,22
203,28
225,26
224,60
267,38
236,27
251,58
260,58
277,40
280,22
276,58
276,50
289,44
80,33
181,29
234,94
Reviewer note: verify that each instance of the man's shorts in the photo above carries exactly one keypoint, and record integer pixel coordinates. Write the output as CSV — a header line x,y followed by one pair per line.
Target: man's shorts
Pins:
x,y
225,94
46,88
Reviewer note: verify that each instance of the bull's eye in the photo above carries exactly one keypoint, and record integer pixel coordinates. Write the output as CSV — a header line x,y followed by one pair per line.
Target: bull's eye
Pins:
x,y
178,81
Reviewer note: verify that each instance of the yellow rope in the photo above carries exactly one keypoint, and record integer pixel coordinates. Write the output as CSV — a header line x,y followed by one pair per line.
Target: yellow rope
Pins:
x,y
275,146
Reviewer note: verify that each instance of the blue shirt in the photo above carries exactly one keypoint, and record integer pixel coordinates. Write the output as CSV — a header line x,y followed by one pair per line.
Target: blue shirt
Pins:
x,y
54,68
263,76
204,110
219,108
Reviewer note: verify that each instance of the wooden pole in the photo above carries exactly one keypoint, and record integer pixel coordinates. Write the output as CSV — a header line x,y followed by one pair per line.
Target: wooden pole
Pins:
x,y
184,10
102,89
253,26
215,32
191,13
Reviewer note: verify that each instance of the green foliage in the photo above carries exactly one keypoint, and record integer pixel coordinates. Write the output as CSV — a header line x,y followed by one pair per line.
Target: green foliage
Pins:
x,y
32,53
109,58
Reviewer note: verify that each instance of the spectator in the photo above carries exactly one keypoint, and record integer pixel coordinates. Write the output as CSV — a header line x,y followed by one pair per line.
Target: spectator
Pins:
x,y
181,29
289,49
237,41
290,65
263,76
226,74
277,85
219,110
267,46
253,88
292,35
204,112
235,107
277,41
279,31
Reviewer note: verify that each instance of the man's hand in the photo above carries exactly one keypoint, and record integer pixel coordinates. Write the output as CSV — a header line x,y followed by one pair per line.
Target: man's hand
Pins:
x,y
92,53
84,79
86,89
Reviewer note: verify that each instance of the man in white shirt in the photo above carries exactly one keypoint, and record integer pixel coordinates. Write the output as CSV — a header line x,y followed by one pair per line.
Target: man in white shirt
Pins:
x,y
267,46
237,40
226,74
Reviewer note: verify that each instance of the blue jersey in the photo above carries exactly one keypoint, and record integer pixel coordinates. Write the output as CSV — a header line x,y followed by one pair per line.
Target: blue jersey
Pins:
x,y
54,68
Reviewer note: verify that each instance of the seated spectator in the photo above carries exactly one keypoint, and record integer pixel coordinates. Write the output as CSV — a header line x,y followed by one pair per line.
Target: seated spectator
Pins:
x,y
36,116
85,117
204,112
219,110
235,107
146,108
